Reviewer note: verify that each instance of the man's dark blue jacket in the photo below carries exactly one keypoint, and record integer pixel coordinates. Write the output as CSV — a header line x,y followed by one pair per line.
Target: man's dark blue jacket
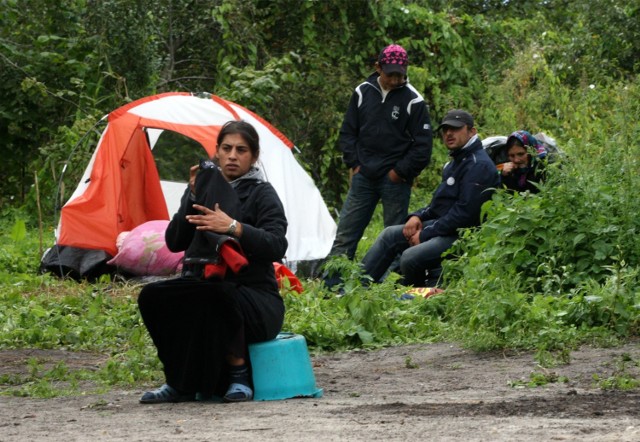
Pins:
x,y
468,180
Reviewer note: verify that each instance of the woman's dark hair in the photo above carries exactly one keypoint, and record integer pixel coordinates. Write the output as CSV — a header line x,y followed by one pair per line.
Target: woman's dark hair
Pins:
x,y
244,129
513,141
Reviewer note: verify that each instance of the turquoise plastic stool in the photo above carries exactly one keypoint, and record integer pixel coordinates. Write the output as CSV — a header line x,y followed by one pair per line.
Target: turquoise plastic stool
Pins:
x,y
281,369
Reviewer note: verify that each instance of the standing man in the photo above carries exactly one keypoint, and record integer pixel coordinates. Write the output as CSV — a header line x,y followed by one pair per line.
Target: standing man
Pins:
x,y
386,140
468,180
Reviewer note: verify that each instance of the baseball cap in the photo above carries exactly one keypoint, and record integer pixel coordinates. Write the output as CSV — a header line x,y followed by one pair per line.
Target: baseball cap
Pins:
x,y
457,118
392,59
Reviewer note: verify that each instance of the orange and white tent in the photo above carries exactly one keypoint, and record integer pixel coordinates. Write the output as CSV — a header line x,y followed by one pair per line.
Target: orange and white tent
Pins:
x,y
121,187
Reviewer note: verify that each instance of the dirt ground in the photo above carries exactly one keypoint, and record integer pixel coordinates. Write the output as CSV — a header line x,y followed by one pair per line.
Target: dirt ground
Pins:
x,y
419,392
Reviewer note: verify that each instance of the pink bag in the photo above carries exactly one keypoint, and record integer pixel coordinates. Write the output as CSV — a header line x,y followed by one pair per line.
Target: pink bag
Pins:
x,y
144,252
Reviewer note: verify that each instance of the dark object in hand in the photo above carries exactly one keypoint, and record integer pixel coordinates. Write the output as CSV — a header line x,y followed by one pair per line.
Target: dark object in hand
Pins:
x,y
206,164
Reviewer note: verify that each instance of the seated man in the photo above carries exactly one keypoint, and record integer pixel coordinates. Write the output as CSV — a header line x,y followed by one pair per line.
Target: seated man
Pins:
x,y
468,180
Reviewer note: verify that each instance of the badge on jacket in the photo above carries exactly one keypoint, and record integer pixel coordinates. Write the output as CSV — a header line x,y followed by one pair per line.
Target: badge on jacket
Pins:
x,y
451,181
395,113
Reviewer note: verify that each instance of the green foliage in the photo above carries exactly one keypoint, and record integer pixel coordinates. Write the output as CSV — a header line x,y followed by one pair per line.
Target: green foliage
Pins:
x,y
286,60
282,59
617,382
624,375
408,362
547,359
363,316
86,317
539,379
18,254
541,263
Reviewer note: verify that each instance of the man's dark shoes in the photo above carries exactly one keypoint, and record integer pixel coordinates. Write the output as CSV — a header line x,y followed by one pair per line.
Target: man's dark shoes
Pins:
x,y
332,280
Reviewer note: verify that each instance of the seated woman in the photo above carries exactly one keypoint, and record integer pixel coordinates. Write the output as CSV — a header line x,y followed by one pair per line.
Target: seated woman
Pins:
x,y
232,225
525,166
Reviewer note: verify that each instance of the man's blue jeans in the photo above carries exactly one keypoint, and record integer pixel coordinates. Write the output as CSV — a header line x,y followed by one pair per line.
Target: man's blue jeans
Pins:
x,y
359,206
420,265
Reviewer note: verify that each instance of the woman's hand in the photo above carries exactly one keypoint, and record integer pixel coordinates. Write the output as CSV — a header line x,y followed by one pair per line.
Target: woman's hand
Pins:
x,y
213,220
507,168
193,171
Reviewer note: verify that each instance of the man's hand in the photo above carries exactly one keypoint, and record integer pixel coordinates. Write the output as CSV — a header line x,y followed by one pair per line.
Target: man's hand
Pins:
x,y
394,177
415,239
412,228
353,171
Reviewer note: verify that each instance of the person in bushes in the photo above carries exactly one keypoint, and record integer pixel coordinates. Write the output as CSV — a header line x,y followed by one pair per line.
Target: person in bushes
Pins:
x,y
525,167
468,180
231,225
